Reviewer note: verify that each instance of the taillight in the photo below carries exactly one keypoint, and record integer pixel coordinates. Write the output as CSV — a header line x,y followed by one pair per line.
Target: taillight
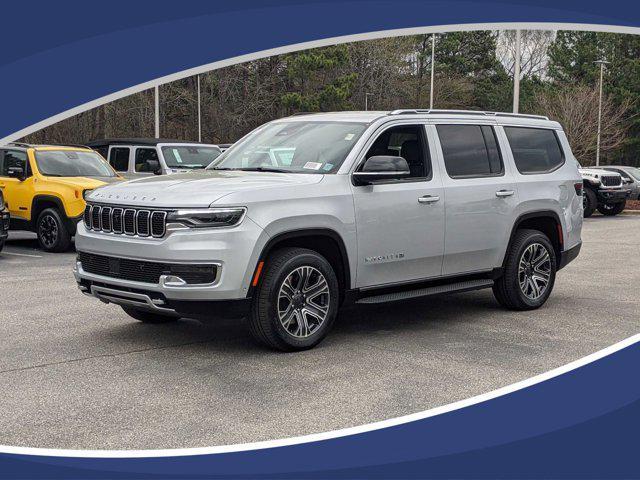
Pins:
x,y
578,187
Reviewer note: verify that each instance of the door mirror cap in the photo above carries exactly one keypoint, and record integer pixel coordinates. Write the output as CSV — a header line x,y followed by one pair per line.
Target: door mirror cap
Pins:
x,y
16,172
382,167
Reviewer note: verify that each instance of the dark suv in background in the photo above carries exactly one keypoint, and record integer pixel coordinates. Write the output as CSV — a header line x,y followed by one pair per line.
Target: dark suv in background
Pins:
x,y
4,221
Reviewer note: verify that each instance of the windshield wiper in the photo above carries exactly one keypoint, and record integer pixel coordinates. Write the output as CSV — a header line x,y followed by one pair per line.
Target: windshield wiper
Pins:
x,y
265,169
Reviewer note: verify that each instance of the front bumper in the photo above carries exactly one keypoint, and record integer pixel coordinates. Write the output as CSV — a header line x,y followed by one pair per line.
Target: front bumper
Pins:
x,y
4,225
613,196
234,251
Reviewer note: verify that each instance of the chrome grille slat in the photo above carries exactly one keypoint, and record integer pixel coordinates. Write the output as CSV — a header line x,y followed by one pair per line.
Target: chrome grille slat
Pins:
x,y
129,221
116,220
142,222
105,219
158,222
95,217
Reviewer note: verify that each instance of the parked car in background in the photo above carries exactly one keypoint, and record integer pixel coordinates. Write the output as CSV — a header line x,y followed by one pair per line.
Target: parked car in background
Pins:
x,y
44,188
603,191
4,221
630,178
366,207
140,157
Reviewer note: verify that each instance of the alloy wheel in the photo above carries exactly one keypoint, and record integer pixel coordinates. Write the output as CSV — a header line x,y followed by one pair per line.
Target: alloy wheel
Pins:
x,y
48,231
534,271
303,301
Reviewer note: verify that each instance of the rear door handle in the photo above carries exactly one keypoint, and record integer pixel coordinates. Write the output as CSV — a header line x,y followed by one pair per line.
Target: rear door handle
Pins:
x,y
428,199
504,193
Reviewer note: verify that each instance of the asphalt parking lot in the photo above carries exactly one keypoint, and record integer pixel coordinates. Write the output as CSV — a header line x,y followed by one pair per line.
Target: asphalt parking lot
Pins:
x,y
75,373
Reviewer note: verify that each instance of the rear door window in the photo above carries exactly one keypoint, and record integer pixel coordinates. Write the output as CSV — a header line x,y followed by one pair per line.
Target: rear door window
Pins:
x,y
119,158
470,151
535,150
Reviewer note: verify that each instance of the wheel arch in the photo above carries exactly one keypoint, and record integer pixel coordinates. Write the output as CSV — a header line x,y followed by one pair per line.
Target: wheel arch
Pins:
x,y
545,221
44,201
325,241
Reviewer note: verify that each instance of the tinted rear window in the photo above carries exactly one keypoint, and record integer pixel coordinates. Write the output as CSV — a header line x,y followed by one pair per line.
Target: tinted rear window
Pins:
x,y
535,150
470,151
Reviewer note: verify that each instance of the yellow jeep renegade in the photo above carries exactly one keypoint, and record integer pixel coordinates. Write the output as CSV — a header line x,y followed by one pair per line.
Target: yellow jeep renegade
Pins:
x,y
44,188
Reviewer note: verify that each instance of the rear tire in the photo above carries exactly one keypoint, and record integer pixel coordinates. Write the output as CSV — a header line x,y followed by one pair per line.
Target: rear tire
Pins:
x,y
52,232
612,209
145,316
296,302
529,273
589,201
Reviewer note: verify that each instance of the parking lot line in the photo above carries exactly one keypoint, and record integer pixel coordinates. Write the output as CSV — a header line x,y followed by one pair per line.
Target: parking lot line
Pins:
x,y
21,254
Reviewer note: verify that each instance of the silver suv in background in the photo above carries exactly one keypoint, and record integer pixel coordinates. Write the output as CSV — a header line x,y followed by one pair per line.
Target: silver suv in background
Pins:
x,y
311,211
141,157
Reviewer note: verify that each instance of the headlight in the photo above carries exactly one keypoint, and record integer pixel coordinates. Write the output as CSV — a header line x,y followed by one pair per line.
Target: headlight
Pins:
x,y
208,218
85,193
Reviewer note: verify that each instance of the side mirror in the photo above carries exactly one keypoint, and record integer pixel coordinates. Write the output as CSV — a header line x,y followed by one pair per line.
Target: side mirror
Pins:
x,y
16,172
382,167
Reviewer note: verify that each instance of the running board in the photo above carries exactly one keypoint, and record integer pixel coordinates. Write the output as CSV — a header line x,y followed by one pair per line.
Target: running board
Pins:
x,y
425,292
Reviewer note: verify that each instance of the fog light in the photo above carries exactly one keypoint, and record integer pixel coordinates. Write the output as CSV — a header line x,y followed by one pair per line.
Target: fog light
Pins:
x,y
172,281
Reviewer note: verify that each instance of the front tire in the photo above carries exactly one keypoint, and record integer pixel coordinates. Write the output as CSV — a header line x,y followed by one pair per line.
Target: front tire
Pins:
x,y
296,302
529,274
612,209
589,202
145,316
52,232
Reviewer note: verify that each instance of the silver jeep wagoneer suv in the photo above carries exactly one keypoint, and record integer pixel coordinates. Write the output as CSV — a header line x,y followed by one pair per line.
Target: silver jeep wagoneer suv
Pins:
x,y
310,211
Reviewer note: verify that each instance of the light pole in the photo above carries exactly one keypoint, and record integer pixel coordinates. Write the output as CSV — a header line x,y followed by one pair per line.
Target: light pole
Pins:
x,y
366,101
516,73
199,113
602,63
433,69
157,111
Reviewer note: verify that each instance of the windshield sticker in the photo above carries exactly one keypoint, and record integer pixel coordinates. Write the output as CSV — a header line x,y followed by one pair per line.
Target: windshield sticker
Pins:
x,y
312,165
327,166
176,153
349,136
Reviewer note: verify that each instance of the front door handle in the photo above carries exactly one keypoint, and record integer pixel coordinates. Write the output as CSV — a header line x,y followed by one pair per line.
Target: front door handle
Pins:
x,y
428,199
504,193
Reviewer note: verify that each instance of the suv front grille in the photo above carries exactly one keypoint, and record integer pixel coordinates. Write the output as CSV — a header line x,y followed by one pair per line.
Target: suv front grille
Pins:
x,y
143,271
611,180
129,221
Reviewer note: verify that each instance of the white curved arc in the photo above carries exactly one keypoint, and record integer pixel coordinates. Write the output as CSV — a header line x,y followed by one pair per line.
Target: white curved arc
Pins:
x,y
314,44
332,434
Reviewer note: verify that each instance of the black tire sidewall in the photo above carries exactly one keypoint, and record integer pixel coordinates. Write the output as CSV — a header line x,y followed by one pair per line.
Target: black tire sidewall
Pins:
x,y
521,247
311,259
63,238
592,202
616,208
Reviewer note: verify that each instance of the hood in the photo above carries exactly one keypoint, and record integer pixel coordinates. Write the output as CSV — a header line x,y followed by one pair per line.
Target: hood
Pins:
x,y
195,189
596,172
87,183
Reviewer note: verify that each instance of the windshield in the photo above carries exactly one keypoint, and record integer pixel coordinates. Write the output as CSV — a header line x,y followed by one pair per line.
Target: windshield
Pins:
x,y
189,156
634,172
69,163
296,147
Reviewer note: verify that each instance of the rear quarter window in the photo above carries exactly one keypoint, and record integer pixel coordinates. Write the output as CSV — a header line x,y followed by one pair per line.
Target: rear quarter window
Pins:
x,y
535,150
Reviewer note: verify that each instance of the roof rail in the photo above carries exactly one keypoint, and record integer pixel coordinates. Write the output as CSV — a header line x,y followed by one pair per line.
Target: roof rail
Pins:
x,y
465,112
